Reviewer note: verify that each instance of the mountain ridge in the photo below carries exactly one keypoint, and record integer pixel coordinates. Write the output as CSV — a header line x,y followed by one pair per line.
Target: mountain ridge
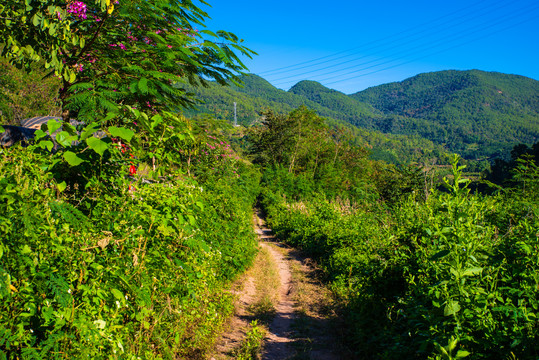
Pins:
x,y
475,113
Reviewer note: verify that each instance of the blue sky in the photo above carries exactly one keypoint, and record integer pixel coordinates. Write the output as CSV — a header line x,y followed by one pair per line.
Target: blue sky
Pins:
x,y
352,45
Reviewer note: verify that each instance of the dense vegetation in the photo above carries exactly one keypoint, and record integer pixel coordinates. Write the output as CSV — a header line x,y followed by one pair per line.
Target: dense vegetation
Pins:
x,y
257,95
422,269
474,113
23,96
96,263
119,238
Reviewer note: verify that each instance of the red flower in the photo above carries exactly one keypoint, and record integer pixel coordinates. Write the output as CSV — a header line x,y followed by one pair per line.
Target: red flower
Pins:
x,y
132,170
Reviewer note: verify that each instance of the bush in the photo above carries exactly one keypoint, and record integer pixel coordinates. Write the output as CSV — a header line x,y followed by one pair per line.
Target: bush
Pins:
x,y
133,270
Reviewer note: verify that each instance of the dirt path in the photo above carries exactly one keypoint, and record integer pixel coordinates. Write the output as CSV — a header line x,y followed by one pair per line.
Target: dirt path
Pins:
x,y
279,336
282,293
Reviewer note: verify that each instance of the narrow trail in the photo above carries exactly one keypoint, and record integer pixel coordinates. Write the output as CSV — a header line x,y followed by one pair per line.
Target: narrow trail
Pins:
x,y
279,337
301,324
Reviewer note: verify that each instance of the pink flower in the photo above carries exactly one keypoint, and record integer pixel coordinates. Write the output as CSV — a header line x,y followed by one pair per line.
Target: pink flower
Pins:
x,y
77,8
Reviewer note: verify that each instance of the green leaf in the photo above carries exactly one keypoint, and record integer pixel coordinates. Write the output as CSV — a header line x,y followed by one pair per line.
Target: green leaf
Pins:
x,y
39,134
72,158
89,131
61,186
63,138
46,144
440,255
462,354
70,129
36,19
72,76
125,134
156,120
472,271
451,308
53,125
110,115
2,129
143,85
117,294
97,145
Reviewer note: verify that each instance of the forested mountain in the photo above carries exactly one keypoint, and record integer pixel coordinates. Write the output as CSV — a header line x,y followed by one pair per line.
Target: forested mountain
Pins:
x,y
475,113
257,95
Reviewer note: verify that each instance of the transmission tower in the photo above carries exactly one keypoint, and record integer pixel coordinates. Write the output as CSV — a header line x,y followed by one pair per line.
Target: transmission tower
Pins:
x,y
235,115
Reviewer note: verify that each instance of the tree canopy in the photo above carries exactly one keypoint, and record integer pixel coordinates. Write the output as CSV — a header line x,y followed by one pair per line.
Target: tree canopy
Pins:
x,y
110,53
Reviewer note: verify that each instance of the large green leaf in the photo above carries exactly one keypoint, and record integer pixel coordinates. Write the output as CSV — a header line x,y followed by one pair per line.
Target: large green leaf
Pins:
x,y
89,131
451,308
97,145
53,125
125,134
472,271
72,158
63,138
143,85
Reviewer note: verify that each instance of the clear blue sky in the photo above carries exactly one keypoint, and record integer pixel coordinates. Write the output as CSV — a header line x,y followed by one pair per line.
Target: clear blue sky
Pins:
x,y
351,45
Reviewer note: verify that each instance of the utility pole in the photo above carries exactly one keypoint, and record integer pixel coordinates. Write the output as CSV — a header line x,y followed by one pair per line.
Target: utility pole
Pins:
x,y
235,116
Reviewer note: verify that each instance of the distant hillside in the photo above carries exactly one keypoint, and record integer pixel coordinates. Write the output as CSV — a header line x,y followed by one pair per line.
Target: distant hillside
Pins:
x,y
346,108
474,113
257,95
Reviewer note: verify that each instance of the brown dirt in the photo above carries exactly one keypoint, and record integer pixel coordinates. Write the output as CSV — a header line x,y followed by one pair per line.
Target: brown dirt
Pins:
x,y
303,324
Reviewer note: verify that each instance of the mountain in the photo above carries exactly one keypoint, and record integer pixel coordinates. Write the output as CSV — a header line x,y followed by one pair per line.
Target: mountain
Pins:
x,y
474,113
257,94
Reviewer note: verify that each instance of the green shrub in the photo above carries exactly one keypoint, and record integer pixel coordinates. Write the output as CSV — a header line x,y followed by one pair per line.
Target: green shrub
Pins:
x,y
125,271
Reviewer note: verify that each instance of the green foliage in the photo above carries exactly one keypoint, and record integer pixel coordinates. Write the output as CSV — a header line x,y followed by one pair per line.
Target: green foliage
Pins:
x,y
110,53
448,277
95,263
473,113
251,346
315,156
23,96
508,173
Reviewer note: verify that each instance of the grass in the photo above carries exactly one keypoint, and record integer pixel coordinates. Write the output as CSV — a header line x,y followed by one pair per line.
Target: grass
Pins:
x,y
251,346
267,282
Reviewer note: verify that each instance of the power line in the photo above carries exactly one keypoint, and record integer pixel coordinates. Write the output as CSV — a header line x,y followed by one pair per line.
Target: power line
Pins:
x,y
429,46
388,45
444,41
435,53
401,34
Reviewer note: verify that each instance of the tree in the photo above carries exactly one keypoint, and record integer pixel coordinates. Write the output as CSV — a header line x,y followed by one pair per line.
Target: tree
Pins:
x,y
111,53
